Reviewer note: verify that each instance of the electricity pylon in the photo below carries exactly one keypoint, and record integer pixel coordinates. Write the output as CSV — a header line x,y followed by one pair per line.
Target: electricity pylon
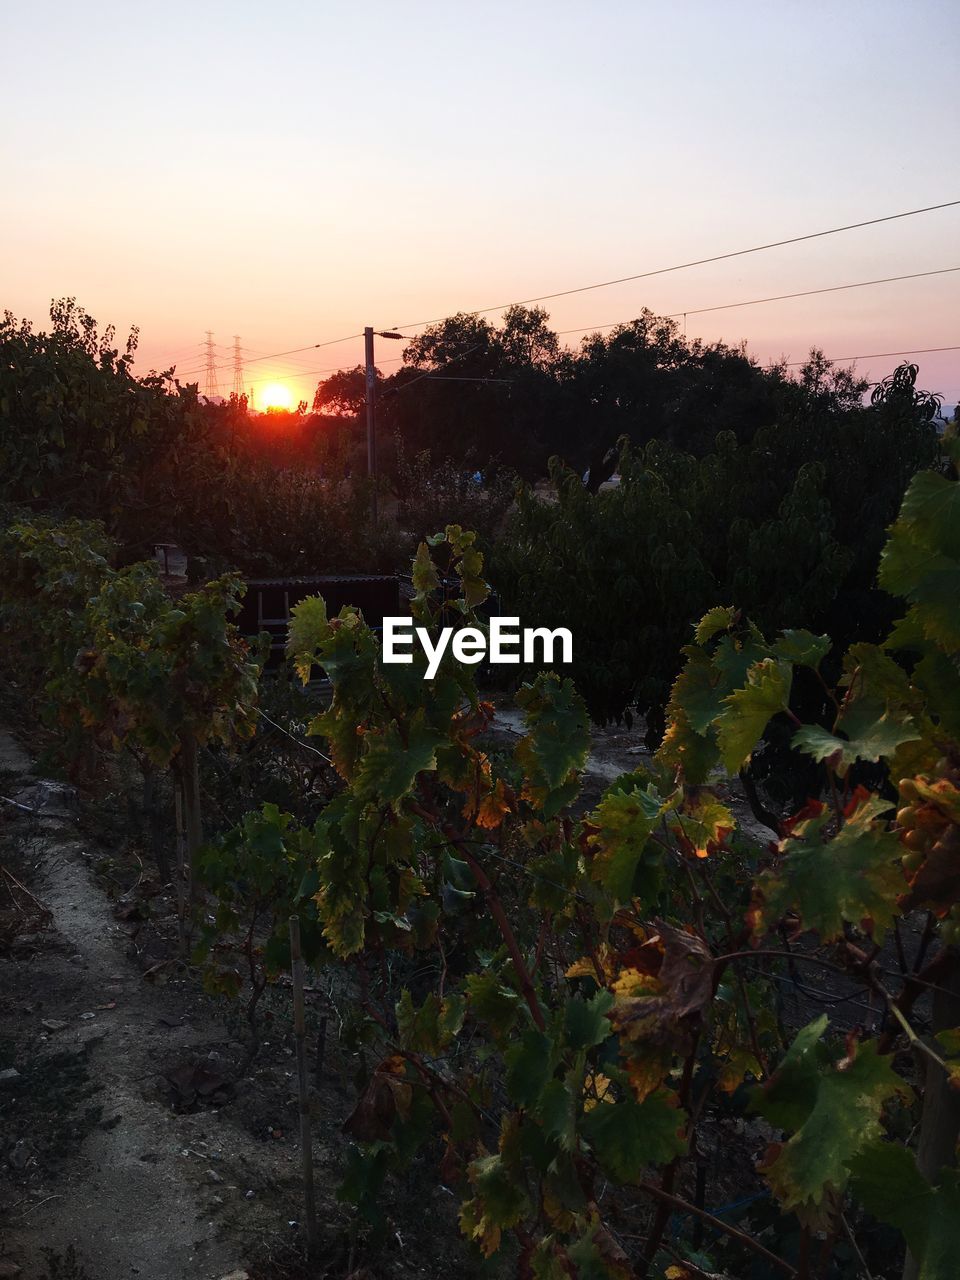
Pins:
x,y
212,388
237,367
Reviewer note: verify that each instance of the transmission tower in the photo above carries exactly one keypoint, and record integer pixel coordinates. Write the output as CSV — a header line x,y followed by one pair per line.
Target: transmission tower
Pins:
x,y
212,389
237,368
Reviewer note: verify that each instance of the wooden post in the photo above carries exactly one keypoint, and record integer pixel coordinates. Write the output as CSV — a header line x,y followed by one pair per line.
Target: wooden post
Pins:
x,y
940,1116
370,396
181,873
300,1031
190,774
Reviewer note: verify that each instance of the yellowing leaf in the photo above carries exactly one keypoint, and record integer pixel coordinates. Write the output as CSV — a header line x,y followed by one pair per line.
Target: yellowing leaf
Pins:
x,y
749,710
702,822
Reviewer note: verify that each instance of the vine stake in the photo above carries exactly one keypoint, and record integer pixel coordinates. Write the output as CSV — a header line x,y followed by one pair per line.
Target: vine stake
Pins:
x,y
300,1031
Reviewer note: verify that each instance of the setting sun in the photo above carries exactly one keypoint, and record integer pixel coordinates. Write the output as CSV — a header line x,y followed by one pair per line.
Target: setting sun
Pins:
x,y
276,396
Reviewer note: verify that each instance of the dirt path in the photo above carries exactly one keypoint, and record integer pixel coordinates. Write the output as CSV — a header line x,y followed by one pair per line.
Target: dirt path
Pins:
x,y
130,1199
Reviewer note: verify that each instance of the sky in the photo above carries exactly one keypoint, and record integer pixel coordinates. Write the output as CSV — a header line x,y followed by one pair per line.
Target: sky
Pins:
x,y
291,172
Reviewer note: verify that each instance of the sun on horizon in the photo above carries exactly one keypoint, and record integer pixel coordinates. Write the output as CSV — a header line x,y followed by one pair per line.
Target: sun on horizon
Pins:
x,y
276,396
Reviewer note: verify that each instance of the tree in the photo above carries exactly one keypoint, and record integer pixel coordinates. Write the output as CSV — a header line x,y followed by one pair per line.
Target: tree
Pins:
x,y
343,393
787,521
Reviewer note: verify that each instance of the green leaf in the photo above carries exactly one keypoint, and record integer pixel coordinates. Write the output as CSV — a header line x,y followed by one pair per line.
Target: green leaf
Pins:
x,y
698,691
748,711
432,1027
698,698
389,765
885,1178
557,1111
843,1118
499,1202
701,821
921,560
529,1066
557,741
789,1096
597,1256
585,1021
425,578
628,1136
872,733
626,819
854,876
713,621
309,628
491,1002
802,648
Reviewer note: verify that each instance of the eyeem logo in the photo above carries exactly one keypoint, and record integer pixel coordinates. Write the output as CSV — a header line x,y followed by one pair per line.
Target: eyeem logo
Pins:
x,y
470,645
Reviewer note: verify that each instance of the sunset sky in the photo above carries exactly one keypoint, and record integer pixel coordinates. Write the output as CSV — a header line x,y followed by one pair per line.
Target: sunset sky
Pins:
x,y
291,172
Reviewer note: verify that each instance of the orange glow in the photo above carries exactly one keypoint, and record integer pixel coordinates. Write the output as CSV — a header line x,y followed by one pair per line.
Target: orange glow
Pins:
x,y
276,396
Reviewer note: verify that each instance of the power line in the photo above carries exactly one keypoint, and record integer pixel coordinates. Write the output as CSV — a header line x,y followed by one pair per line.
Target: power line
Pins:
x,y
211,365
330,368
452,377
780,297
689,311
275,355
875,355
292,361
392,391
311,346
298,373
697,262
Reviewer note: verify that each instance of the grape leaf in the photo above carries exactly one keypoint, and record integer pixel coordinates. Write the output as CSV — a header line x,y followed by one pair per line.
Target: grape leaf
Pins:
x,y
308,629
556,744
624,821
845,1104
529,1066
802,648
921,559
871,733
585,1021
886,1179
713,621
389,765
598,1256
425,578
430,1028
665,1015
557,1111
492,1002
628,1136
701,822
500,1202
854,876
748,711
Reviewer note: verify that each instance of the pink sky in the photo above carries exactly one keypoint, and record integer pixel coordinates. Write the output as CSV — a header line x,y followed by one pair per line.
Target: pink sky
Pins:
x,y
293,174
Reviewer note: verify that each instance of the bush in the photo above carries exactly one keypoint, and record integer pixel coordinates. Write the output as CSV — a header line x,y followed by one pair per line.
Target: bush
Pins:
x,y
434,493
788,525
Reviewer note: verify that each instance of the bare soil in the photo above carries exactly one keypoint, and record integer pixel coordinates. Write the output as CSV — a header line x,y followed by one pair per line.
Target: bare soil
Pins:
x,y
92,1155
127,1145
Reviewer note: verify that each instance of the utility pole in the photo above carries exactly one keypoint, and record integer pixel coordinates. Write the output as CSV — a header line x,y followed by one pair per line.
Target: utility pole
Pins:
x,y
370,387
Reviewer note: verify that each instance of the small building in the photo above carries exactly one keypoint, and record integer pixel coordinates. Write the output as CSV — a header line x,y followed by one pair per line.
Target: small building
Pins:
x,y
267,604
